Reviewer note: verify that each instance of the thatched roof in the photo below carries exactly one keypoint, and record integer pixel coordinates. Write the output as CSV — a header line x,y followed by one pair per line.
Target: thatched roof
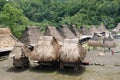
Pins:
x,y
117,28
95,41
46,49
5,31
109,42
31,35
75,31
52,31
84,30
72,51
7,40
66,32
19,51
102,28
93,30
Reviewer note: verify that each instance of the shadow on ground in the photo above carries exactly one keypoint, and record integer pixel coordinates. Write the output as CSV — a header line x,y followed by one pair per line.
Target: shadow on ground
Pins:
x,y
17,69
71,72
43,69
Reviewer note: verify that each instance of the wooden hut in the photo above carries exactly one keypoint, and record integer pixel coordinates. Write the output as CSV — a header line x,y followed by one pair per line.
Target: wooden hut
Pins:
x,y
19,55
71,53
46,50
7,40
66,32
52,31
31,35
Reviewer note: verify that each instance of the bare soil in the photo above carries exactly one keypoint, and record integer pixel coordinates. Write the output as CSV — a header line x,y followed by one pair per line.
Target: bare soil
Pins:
x,y
103,66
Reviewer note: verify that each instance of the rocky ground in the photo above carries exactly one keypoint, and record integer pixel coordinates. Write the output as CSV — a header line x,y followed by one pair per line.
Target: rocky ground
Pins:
x,y
103,66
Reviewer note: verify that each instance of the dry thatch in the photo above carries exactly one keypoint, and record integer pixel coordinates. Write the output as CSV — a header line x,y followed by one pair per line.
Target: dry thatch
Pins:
x,y
19,51
5,31
109,42
102,28
66,32
52,31
7,40
76,31
46,49
84,30
72,51
116,29
95,41
93,30
31,35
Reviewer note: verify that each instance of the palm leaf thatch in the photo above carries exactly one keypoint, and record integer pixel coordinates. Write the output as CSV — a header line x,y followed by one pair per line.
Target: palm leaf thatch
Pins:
x,y
72,51
46,49
19,51
76,31
7,40
84,30
66,32
95,41
31,35
52,31
109,42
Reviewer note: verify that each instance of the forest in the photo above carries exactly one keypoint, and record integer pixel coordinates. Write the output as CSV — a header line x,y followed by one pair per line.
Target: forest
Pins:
x,y
17,14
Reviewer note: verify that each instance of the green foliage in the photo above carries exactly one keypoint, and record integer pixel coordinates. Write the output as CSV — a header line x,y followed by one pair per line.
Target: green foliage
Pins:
x,y
16,13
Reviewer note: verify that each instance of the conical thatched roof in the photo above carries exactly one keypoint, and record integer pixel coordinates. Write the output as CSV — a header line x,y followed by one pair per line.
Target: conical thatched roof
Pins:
x,y
5,31
31,35
84,30
66,32
19,51
72,51
52,31
76,31
102,28
46,49
95,41
117,28
109,42
93,30
7,40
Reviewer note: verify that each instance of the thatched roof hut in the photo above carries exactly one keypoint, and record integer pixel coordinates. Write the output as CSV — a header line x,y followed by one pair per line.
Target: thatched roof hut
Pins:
x,y
84,30
93,30
46,49
52,31
7,40
19,51
102,28
75,31
66,32
109,42
116,29
72,51
31,35
95,41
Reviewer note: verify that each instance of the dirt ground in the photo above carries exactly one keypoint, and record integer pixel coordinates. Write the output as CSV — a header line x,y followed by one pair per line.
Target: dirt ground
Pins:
x,y
103,66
